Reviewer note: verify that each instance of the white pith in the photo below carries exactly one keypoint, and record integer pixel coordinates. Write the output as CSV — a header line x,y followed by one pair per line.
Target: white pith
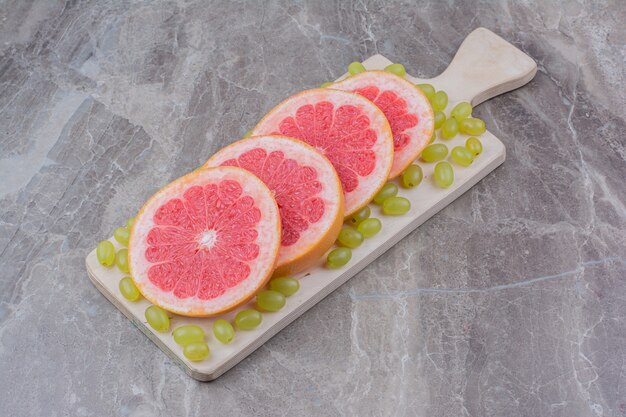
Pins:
x,y
207,239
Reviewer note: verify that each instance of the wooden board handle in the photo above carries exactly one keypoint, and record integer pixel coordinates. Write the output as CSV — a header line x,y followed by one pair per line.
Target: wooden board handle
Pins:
x,y
485,66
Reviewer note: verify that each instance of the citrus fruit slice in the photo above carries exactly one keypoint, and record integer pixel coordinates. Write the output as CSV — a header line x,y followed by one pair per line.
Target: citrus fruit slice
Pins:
x,y
307,191
205,243
348,129
408,110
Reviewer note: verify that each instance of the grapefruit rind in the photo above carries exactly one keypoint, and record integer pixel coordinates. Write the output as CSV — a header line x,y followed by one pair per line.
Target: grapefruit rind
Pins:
x,y
321,234
268,240
416,102
368,185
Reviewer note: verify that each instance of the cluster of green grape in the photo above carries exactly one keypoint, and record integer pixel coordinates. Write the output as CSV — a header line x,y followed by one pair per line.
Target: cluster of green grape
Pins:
x,y
391,203
361,226
397,69
356,67
191,337
270,300
459,121
105,252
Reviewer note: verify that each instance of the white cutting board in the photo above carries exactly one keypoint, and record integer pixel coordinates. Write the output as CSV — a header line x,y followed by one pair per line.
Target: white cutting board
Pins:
x,y
485,66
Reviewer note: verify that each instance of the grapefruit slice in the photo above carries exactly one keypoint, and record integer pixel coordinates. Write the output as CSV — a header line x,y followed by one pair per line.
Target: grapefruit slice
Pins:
x,y
206,242
409,113
307,191
348,129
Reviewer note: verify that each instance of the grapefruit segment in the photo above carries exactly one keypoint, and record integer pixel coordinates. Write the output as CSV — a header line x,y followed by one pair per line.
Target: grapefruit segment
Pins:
x,y
307,191
408,110
206,242
348,129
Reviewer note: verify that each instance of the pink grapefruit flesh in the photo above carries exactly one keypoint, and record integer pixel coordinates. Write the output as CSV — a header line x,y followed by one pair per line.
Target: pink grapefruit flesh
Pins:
x,y
306,188
348,129
409,113
206,242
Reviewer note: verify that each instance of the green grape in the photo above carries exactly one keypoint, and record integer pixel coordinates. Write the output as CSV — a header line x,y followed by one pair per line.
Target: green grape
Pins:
x,y
370,227
350,237
121,260
450,128
435,152
285,285
122,234
461,111
440,101
338,257
247,134
396,206
389,190
474,146
185,335
355,68
428,90
248,319
196,351
130,222
440,117
444,174
360,215
223,331
461,156
432,138
105,251
129,289
412,176
472,126
157,318
326,85
397,69
270,300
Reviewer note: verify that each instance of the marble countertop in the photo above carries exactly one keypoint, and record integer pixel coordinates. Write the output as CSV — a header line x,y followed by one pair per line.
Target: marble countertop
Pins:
x,y
509,302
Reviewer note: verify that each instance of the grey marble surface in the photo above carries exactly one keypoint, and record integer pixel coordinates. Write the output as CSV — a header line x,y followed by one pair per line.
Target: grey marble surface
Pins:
x,y
509,302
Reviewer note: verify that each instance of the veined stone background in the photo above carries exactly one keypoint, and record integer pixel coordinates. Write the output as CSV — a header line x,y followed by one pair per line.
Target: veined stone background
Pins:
x,y
509,302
